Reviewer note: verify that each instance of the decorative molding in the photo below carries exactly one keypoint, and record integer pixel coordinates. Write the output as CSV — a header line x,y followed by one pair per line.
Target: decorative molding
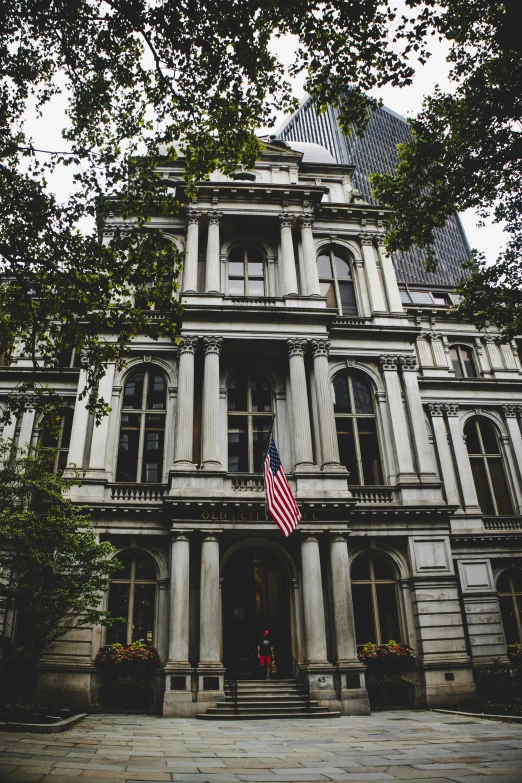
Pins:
x,y
435,409
214,217
296,346
306,221
188,345
434,335
286,220
407,363
366,239
388,362
320,347
451,408
212,344
193,216
510,411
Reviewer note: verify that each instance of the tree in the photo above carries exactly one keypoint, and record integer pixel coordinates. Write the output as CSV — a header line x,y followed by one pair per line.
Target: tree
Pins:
x,y
54,572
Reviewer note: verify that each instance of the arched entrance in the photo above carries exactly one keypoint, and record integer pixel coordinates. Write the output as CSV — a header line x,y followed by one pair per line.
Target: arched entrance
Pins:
x,y
255,596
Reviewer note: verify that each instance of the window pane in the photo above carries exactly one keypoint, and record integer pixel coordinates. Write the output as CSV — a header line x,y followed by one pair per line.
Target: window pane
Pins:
x,y
503,585
324,266
237,444
489,438
255,269
362,396
237,393
388,615
347,294
236,287
500,487
237,256
261,394
342,268
368,444
382,569
128,447
133,392
347,454
256,288
363,614
342,396
509,620
145,567
469,365
156,397
143,620
153,448
260,429
361,568
125,559
472,441
482,486
66,428
455,362
236,268
328,290
119,607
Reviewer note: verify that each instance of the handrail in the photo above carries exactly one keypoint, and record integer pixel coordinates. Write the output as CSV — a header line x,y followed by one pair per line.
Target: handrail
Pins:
x,y
302,676
232,684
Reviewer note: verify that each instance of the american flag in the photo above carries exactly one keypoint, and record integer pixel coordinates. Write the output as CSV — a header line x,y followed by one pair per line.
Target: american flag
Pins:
x,y
280,502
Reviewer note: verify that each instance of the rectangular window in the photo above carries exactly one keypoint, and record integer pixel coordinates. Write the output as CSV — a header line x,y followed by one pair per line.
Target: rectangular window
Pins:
x,y
388,617
482,485
237,444
260,429
348,301
371,465
500,487
118,607
509,620
143,616
347,453
128,447
328,290
363,614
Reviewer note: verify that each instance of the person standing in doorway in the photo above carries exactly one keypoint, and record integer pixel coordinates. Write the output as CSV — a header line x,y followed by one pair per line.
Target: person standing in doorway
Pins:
x,y
265,653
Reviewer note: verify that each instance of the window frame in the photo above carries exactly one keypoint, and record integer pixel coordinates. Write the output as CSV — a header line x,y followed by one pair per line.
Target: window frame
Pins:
x,y
484,457
458,347
245,277
334,251
59,449
250,415
143,412
513,593
373,582
354,416
132,582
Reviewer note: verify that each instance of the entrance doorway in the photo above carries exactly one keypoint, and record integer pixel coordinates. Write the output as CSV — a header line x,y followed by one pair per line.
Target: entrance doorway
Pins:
x,y
255,596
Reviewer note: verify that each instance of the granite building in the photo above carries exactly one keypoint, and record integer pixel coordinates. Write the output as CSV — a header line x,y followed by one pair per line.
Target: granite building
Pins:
x,y
398,427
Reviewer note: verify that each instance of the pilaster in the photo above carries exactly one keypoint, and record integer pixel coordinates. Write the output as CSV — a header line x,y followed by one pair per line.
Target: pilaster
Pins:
x,y
288,276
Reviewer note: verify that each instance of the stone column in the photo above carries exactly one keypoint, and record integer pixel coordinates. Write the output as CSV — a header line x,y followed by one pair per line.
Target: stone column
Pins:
x,y
325,407
288,276
179,601
184,432
311,281
449,477
375,291
300,412
460,452
363,288
437,347
190,269
510,413
398,419
212,281
421,444
100,433
210,416
162,638
79,425
315,631
210,610
346,648
390,278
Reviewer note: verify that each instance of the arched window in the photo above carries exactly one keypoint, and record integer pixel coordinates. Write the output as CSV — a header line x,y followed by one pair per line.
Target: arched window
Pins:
x,y
132,595
246,272
142,428
374,591
335,282
250,414
509,587
58,447
463,361
357,429
487,467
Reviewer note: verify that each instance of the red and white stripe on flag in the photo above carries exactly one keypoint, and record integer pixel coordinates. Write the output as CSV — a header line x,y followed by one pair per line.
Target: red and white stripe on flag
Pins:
x,y
280,501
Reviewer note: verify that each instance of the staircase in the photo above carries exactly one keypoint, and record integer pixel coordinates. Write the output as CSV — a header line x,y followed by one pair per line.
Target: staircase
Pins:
x,y
259,700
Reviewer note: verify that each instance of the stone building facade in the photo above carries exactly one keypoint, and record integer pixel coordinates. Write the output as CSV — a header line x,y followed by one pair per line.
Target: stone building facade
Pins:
x,y
398,427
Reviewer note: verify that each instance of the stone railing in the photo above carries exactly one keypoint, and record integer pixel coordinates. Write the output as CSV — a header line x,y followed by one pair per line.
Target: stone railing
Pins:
x,y
249,301
139,493
503,523
375,494
247,484
344,320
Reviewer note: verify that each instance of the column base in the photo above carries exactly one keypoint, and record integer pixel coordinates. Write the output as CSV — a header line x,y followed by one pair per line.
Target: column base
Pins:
x,y
211,683
306,467
183,464
178,700
212,465
322,686
351,688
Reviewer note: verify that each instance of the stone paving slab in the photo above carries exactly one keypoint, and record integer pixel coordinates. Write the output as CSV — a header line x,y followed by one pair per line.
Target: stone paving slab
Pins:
x,y
413,747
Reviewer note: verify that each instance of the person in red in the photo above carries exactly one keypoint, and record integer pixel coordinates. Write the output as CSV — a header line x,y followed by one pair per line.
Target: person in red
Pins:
x,y
265,653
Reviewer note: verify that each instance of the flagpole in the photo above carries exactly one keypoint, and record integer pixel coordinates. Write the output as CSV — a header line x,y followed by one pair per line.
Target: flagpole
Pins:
x,y
264,457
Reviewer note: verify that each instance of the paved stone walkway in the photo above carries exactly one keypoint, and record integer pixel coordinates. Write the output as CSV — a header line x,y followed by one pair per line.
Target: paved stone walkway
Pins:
x,y
388,746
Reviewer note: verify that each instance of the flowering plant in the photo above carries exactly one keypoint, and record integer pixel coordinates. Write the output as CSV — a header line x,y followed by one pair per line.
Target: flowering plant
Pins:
x,y
385,654
515,652
135,658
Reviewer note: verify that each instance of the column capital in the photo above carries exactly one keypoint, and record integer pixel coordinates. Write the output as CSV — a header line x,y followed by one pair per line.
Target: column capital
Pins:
x,y
188,345
310,538
366,239
434,336
407,363
286,220
296,346
451,408
435,409
179,536
338,538
193,216
510,411
210,537
306,220
490,338
379,237
320,347
212,344
388,362
213,216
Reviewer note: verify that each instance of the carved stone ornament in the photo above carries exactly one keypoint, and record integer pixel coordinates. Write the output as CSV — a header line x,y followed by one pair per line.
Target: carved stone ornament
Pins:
x,y
407,363
435,409
388,362
434,336
451,408
296,346
366,239
320,347
510,411
285,220
193,217
213,344
214,217
188,345
306,221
